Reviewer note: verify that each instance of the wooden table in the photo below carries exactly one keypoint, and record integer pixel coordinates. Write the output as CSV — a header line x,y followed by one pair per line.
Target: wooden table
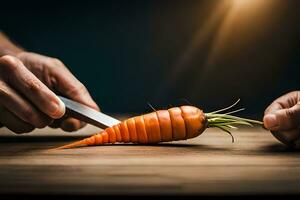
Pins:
x,y
208,165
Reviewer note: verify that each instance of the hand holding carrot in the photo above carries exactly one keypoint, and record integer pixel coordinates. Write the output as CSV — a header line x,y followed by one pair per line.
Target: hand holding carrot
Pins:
x,y
282,118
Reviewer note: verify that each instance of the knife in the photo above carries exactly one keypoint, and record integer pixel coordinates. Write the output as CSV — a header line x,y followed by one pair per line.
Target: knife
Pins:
x,y
86,114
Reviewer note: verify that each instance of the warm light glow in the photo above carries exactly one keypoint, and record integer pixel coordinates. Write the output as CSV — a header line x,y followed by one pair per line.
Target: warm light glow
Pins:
x,y
232,21
241,14
248,5
245,3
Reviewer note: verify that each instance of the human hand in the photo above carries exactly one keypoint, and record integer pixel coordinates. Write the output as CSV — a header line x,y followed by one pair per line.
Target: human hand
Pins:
x,y
282,118
28,83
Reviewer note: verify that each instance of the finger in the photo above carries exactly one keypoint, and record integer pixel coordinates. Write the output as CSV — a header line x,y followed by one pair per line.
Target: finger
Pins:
x,y
21,108
71,124
286,101
284,119
273,107
67,125
56,123
269,117
20,78
13,123
67,84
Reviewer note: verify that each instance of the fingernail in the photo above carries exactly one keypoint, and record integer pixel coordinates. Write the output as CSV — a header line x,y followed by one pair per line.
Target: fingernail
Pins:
x,y
58,109
270,121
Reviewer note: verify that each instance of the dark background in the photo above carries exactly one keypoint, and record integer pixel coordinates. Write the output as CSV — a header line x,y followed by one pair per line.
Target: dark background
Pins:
x,y
129,53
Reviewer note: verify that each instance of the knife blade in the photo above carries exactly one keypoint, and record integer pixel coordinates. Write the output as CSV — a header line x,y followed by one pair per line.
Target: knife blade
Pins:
x,y
86,114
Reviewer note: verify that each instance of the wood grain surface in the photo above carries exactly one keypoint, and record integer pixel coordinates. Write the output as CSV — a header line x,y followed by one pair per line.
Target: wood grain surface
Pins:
x,y
207,165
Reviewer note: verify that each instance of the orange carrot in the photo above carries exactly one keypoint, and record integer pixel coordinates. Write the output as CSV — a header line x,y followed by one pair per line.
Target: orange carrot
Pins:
x,y
178,123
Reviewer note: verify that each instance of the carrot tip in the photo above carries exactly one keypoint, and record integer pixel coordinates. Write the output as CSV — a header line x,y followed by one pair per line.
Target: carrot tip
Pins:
x,y
72,145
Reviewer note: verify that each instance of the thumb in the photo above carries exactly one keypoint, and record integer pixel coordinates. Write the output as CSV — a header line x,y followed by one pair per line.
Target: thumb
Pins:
x,y
283,119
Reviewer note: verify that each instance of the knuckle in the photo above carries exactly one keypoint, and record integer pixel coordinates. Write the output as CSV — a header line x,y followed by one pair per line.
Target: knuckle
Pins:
x,y
78,90
57,61
9,63
8,60
54,62
33,85
82,88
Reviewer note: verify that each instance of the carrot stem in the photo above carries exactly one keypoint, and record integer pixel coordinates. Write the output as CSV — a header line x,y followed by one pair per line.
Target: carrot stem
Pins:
x,y
226,122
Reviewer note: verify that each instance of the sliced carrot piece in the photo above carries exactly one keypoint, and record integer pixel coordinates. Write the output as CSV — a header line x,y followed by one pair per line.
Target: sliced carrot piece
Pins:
x,y
112,135
165,125
141,130
118,134
90,140
194,121
132,130
105,137
124,132
178,125
152,128
98,139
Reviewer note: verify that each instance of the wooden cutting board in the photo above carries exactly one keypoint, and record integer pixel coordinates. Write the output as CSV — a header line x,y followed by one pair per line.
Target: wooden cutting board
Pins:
x,y
208,165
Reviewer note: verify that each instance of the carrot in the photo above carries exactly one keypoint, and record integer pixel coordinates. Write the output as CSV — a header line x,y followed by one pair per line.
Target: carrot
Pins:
x,y
178,123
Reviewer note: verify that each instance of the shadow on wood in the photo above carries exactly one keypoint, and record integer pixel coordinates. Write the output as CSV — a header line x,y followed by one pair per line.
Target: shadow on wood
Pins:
x,y
280,148
192,147
33,138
